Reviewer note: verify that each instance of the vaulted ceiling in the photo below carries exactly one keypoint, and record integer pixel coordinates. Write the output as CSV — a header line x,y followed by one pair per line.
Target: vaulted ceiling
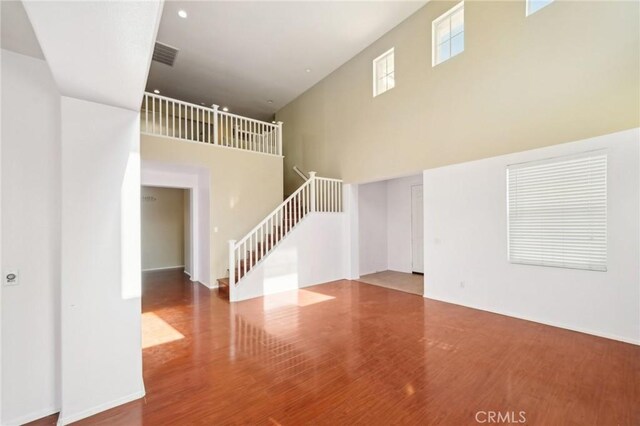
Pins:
x,y
255,57
251,56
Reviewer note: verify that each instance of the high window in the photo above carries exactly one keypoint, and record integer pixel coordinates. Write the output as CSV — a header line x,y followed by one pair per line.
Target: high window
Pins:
x,y
557,212
383,73
448,34
535,5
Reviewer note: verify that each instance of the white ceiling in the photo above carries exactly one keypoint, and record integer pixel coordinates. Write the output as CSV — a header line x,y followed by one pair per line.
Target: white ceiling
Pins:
x,y
242,54
97,50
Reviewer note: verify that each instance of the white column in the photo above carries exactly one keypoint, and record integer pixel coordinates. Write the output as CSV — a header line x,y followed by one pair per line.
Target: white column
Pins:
x,y
279,137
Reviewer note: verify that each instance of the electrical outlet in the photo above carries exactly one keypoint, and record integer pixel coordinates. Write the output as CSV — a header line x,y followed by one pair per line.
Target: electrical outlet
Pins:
x,y
11,277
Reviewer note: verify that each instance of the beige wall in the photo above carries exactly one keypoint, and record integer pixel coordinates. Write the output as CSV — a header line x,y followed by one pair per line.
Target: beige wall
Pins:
x,y
162,227
567,72
244,188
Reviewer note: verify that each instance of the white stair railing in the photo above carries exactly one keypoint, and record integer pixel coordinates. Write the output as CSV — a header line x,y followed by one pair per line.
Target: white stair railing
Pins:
x,y
315,195
162,116
300,173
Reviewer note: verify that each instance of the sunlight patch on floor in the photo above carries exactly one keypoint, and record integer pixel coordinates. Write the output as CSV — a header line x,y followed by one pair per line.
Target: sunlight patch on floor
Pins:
x,y
306,297
156,331
300,298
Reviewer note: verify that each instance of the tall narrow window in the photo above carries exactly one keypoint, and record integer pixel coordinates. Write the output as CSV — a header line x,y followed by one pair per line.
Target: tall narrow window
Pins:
x,y
535,5
383,73
448,34
558,212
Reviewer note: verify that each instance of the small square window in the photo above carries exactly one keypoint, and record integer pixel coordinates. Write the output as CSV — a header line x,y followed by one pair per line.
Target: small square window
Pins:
x,y
448,34
383,73
535,5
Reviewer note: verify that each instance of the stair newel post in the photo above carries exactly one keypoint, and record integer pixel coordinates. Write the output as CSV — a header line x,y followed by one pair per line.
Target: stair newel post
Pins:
x,y
312,194
279,137
215,123
232,263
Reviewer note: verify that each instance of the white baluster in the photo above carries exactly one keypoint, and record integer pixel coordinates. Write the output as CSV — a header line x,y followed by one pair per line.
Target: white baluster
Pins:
x,y
215,124
244,264
306,203
312,187
153,115
232,263
146,113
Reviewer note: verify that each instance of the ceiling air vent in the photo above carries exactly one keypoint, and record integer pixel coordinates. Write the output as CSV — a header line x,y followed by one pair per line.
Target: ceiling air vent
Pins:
x,y
164,53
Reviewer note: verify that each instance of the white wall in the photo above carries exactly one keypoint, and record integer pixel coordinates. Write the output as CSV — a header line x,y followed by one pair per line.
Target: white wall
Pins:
x,y
101,341
372,227
30,239
313,253
465,242
399,222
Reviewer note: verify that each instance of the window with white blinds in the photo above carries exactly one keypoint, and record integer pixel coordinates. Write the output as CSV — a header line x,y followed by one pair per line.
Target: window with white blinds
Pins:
x,y
557,212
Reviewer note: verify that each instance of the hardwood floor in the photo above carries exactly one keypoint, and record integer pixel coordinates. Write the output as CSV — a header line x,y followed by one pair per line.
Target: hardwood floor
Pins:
x,y
45,421
347,353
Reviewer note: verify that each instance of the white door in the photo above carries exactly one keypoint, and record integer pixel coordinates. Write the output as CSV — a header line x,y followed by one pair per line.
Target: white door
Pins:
x,y
417,224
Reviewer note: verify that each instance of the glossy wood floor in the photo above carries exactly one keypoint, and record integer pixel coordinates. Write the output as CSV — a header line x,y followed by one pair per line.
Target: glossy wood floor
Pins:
x,y
347,353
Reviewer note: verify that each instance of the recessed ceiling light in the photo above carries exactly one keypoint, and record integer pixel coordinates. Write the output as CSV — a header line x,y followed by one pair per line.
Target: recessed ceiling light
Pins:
x,y
156,91
225,109
269,101
182,13
308,70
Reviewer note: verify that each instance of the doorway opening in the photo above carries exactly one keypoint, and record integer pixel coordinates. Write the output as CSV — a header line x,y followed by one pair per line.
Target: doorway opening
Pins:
x,y
390,234
166,229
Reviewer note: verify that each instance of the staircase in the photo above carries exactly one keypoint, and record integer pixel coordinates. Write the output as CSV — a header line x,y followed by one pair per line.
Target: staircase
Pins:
x,y
316,195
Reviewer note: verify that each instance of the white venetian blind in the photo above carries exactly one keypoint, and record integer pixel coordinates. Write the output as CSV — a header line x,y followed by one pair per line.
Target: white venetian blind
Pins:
x,y
558,212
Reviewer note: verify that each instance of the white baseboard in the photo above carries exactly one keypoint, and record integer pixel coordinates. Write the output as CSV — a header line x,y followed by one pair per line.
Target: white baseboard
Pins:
x,y
536,320
32,416
188,273
65,419
209,286
164,268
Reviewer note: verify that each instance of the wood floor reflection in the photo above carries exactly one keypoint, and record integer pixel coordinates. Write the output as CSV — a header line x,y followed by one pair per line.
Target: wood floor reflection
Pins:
x,y
347,353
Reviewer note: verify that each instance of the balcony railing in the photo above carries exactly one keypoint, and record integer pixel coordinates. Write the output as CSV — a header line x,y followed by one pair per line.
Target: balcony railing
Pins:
x,y
162,116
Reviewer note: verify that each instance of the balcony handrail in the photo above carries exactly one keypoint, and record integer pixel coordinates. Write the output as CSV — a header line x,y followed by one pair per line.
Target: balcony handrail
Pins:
x,y
209,125
190,104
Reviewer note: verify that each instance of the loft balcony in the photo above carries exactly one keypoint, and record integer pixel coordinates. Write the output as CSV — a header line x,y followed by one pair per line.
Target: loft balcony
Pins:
x,y
171,118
